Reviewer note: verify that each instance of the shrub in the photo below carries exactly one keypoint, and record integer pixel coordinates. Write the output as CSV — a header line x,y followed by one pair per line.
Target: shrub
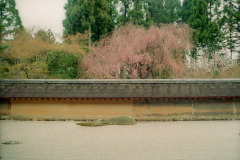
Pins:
x,y
35,57
63,65
122,120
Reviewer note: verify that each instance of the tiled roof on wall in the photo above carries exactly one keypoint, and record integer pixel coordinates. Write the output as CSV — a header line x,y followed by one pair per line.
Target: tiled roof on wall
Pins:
x,y
144,88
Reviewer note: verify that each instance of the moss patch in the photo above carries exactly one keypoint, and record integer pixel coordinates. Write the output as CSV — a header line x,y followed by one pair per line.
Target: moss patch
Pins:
x,y
92,124
122,120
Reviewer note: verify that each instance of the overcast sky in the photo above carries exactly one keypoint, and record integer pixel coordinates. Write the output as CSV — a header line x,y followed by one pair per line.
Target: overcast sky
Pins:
x,y
44,14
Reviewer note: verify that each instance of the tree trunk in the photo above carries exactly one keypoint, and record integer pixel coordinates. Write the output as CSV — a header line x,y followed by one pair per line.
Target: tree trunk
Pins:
x,y
231,48
89,38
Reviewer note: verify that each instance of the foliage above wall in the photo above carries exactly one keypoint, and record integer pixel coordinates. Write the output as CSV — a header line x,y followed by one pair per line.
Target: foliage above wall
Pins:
x,y
38,57
133,52
127,39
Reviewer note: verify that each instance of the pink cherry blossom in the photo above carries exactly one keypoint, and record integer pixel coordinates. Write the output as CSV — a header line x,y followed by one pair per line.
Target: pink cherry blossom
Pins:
x,y
134,52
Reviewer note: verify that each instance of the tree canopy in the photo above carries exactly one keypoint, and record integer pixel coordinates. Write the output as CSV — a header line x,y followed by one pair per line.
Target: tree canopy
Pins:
x,y
125,39
165,11
10,20
96,16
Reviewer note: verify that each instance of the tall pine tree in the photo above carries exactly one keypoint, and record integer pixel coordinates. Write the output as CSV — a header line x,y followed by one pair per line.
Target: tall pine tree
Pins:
x,y
231,25
186,10
139,14
135,11
214,25
74,21
10,20
165,11
113,12
125,9
237,15
237,19
94,16
103,21
173,9
203,16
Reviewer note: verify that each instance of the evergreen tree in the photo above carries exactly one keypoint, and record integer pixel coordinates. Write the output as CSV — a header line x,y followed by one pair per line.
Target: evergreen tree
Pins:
x,y
237,15
88,18
186,10
103,21
125,8
113,12
231,25
165,11
74,17
204,17
198,21
157,11
92,15
135,11
214,25
237,19
139,14
10,20
173,9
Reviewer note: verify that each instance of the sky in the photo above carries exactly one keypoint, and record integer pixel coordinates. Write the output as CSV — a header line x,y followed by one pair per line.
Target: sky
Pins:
x,y
42,14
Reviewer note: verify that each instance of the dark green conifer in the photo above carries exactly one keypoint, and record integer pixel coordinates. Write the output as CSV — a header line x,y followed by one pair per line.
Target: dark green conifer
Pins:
x,y
165,11
10,20
231,24
204,17
95,16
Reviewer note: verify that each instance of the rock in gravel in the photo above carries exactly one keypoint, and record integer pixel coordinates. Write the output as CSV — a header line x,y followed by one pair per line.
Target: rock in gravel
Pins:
x,y
11,142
